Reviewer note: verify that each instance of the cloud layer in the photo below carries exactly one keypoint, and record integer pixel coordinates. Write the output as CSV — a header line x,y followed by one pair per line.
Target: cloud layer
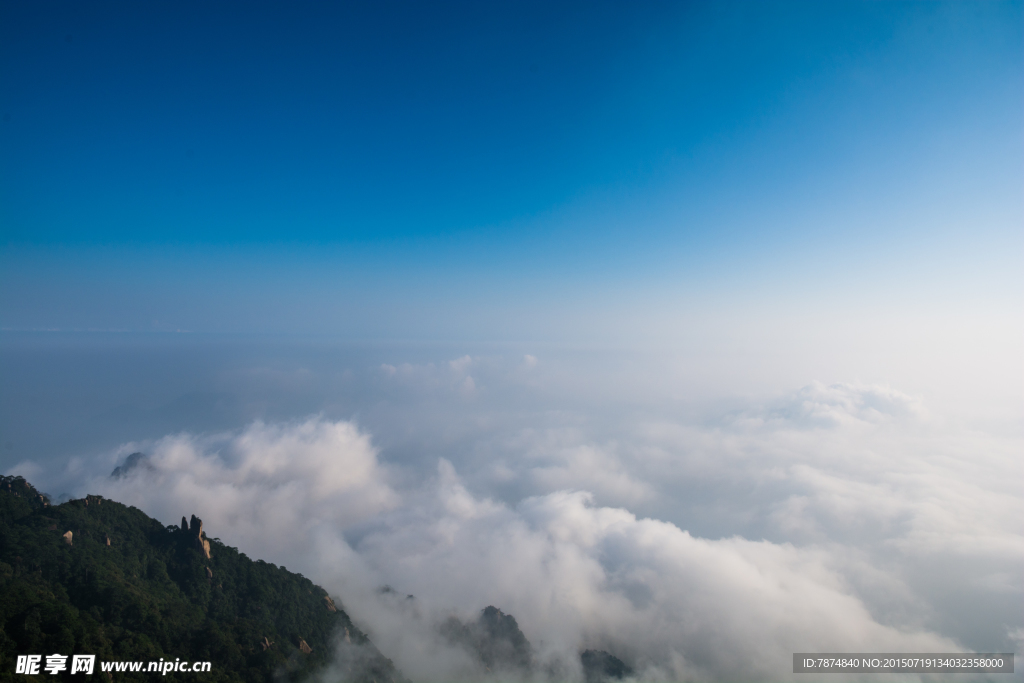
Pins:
x,y
837,518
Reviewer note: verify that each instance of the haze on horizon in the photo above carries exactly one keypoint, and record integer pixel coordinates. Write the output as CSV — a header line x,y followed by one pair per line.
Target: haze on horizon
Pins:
x,y
677,330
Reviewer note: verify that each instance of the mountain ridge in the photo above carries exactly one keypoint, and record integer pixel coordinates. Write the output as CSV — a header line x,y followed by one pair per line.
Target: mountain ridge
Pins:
x,y
94,576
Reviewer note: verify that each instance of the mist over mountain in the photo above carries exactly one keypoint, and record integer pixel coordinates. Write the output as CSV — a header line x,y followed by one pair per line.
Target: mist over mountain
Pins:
x,y
92,576
827,496
131,463
502,649
495,639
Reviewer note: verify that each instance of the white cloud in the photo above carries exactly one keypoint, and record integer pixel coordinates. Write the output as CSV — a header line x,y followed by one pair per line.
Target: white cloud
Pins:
x,y
818,405
274,490
27,469
460,365
576,575
837,518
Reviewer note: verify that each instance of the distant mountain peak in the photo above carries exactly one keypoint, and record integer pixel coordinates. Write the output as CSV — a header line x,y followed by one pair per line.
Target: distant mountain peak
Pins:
x,y
599,666
499,645
494,638
134,462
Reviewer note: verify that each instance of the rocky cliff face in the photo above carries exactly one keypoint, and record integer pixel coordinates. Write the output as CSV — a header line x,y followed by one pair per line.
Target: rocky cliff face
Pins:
x,y
196,528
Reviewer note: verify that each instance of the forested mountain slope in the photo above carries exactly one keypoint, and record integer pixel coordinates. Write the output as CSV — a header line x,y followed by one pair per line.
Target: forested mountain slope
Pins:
x,y
93,576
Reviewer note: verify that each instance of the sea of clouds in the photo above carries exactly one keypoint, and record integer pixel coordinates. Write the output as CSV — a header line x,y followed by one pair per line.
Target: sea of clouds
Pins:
x,y
695,542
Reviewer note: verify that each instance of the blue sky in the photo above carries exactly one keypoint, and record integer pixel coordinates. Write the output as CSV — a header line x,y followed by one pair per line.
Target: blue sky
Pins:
x,y
389,153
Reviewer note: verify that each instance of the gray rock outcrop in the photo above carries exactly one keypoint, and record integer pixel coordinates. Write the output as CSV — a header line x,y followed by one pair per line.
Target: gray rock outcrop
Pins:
x,y
196,528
